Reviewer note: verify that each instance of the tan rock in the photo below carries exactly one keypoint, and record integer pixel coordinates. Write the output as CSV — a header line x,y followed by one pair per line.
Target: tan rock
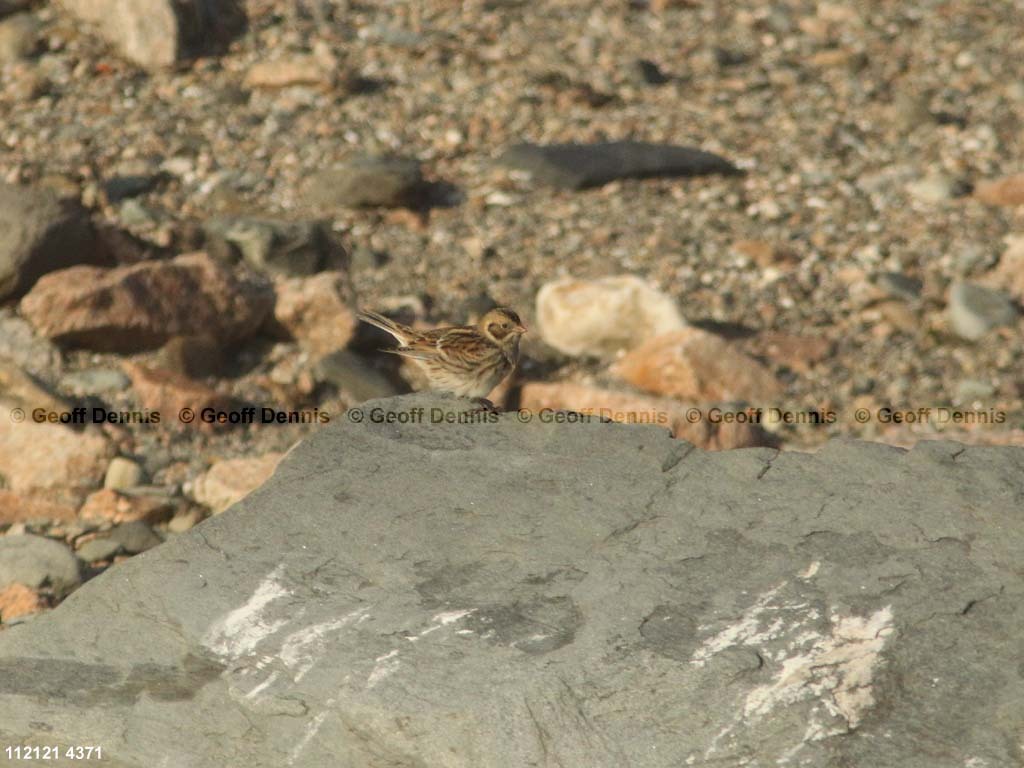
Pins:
x,y
108,505
122,473
170,394
18,508
638,409
141,306
601,317
1008,190
18,600
51,459
17,388
296,70
314,311
697,366
765,254
231,480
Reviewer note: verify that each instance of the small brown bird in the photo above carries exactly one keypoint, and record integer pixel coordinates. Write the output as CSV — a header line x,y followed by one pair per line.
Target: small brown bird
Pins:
x,y
468,361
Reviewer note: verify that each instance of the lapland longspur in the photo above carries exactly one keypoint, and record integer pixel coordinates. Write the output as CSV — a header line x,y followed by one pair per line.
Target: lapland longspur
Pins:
x,y
468,360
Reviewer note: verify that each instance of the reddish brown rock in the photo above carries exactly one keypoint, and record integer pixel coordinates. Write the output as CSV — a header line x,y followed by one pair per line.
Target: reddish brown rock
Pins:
x,y
638,409
17,508
1008,190
231,480
798,353
108,505
170,394
697,366
141,306
18,600
314,311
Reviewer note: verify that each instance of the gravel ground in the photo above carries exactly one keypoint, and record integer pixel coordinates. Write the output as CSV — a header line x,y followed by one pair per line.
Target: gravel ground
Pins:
x,y
862,128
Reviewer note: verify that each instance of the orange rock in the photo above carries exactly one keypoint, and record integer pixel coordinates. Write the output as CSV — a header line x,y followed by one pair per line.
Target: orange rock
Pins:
x,y
697,366
17,508
18,600
109,505
168,393
639,409
1008,190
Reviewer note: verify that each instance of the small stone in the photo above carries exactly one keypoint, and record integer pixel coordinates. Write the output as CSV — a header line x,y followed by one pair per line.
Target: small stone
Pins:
x,y
98,549
118,188
799,353
696,366
766,255
185,521
37,562
231,480
314,311
577,166
974,310
354,377
600,317
135,537
937,188
1006,191
296,70
971,390
140,306
17,600
123,473
650,73
365,181
19,37
899,285
1009,273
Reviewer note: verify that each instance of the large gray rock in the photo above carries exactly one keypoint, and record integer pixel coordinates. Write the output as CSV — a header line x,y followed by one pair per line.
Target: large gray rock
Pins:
x,y
514,594
576,166
39,233
365,182
158,33
37,562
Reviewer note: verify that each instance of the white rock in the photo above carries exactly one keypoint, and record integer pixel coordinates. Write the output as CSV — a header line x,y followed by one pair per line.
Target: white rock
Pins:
x,y
600,317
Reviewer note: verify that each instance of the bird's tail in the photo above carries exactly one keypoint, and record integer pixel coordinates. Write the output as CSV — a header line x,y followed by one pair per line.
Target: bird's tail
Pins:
x,y
402,333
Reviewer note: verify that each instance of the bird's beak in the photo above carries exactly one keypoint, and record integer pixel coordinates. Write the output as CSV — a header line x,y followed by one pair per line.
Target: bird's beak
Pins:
x,y
520,328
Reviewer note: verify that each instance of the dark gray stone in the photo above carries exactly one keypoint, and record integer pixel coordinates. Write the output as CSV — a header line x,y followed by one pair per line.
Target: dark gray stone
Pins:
x,y
899,286
587,594
95,550
40,233
576,166
975,309
37,562
366,182
135,537
120,188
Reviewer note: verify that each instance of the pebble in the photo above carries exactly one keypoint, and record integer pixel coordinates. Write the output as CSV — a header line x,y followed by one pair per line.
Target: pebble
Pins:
x,y
19,37
36,562
95,382
289,248
123,473
974,310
